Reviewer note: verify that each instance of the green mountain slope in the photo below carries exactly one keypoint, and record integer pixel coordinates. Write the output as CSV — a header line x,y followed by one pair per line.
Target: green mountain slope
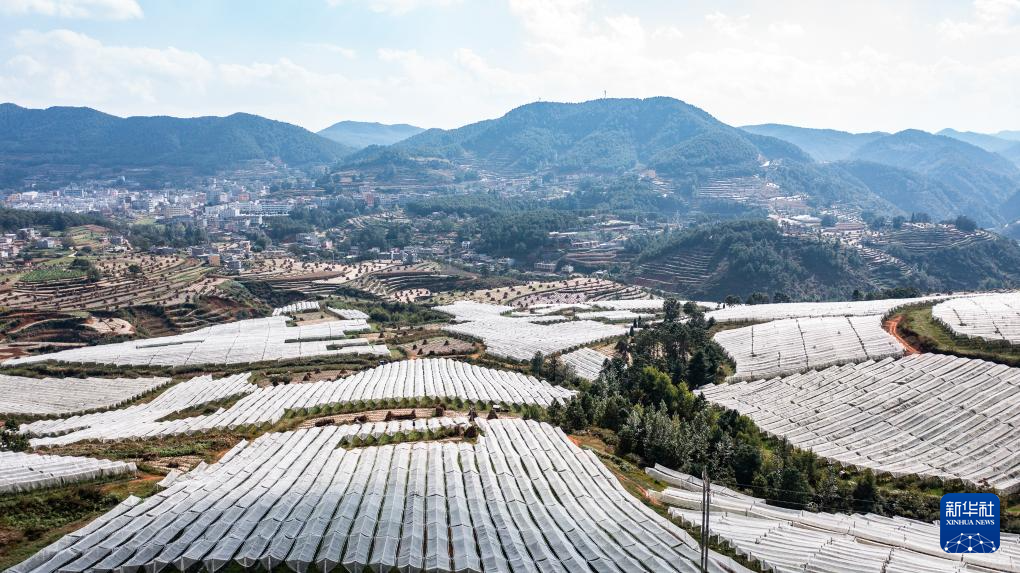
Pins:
x,y
983,140
908,190
822,144
361,134
79,138
743,257
601,135
980,181
681,143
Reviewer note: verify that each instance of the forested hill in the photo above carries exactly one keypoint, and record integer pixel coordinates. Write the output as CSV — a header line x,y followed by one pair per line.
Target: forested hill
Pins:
x,y
822,144
745,257
77,138
978,182
361,134
608,135
946,174
691,150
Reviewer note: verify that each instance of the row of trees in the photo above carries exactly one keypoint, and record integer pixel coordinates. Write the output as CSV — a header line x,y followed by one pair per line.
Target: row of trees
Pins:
x,y
642,404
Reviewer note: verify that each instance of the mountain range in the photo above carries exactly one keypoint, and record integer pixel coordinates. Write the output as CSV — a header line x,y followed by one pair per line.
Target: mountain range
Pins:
x,y
943,174
895,173
77,139
361,134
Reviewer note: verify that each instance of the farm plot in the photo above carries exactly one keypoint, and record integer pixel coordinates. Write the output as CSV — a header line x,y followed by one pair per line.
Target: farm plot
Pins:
x,y
139,420
524,498
519,338
244,341
794,345
782,539
763,312
612,315
990,317
20,472
587,363
348,313
405,381
64,396
927,414
125,281
569,291
296,307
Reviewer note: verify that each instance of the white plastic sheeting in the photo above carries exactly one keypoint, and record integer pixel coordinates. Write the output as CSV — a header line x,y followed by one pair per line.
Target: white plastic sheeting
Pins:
x,y
991,317
348,313
587,362
794,540
762,312
296,307
139,420
519,338
412,379
794,345
63,396
928,414
524,498
21,472
244,341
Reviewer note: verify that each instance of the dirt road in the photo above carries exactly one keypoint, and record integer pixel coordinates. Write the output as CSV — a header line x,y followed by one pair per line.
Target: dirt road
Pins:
x,y
892,327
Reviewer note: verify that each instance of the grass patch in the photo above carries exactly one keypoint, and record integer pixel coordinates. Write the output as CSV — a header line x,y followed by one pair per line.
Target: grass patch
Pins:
x,y
637,483
33,520
206,409
922,331
207,446
47,274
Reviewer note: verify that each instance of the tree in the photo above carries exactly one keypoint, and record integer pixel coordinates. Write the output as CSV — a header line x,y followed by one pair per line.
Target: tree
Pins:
x,y
554,412
920,217
898,222
747,461
757,298
865,493
536,364
614,413
575,418
793,489
11,439
699,371
780,297
731,299
965,224
671,307
829,220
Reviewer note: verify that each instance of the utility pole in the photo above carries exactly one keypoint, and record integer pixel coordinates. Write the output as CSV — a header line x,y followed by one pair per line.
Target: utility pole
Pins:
x,y
706,509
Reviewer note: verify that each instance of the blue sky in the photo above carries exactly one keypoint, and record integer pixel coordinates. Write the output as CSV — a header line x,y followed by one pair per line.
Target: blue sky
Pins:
x,y
860,66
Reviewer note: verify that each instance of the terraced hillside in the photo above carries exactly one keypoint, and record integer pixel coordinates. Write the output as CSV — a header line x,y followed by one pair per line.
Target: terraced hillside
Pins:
x,y
712,261
928,238
409,283
123,282
682,271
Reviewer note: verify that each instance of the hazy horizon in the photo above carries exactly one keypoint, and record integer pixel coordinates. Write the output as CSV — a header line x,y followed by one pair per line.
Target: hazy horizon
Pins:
x,y
446,63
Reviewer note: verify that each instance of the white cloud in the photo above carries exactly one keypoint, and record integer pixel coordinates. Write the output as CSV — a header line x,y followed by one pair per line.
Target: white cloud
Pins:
x,y
727,25
396,7
989,18
85,9
860,73
786,29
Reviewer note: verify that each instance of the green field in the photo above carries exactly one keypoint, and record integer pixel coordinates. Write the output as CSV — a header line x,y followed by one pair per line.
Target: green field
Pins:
x,y
923,332
49,273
